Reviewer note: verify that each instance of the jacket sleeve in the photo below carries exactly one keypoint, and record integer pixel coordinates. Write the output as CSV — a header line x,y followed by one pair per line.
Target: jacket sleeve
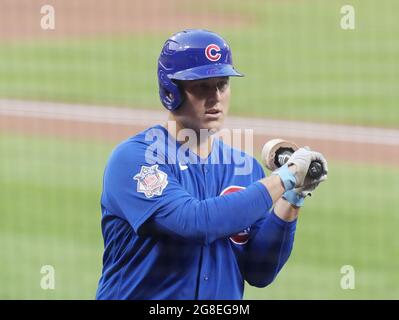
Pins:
x,y
268,250
269,245
150,196
208,220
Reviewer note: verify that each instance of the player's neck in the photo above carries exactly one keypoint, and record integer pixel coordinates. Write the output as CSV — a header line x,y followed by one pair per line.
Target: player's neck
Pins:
x,y
201,144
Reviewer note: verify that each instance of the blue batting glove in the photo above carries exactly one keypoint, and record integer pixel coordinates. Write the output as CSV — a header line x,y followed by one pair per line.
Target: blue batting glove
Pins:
x,y
294,198
286,176
297,196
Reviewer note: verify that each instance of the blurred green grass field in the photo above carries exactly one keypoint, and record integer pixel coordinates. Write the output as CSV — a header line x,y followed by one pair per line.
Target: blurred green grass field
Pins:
x,y
299,63
50,215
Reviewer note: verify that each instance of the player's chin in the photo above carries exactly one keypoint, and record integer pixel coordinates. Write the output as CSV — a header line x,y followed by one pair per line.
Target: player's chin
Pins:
x,y
213,126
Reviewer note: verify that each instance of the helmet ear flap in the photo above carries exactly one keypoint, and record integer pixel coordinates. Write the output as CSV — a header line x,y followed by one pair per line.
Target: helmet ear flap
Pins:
x,y
180,89
169,91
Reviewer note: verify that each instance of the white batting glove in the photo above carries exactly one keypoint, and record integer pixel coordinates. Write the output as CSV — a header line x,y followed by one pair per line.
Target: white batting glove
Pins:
x,y
297,196
308,188
293,178
302,159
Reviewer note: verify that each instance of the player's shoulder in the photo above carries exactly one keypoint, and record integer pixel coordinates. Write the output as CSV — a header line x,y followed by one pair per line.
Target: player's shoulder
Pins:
x,y
139,146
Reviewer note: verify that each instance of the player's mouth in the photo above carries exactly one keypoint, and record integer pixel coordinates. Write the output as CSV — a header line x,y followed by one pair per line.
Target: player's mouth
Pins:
x,y
213,113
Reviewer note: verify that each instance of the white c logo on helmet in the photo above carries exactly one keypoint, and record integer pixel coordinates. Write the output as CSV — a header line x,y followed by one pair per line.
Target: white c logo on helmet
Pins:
x,y
212,52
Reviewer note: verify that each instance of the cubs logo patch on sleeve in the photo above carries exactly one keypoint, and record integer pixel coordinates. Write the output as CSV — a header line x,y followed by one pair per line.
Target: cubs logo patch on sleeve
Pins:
x,y
242,237
151,181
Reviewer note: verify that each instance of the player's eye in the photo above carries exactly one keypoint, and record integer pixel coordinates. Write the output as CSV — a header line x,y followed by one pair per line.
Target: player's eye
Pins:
x,y
204,86
222,85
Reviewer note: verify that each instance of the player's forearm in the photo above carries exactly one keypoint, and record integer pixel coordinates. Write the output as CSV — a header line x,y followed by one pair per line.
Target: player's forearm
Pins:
x,y
207,220
274,186
219,217
267,252
286,211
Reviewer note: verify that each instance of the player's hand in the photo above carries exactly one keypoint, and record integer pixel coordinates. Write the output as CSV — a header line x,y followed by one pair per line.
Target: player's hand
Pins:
x,y
310,185
299,164
294,173
297,196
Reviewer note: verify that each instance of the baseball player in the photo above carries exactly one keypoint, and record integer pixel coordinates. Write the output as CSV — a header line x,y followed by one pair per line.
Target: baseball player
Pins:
x,y
177,225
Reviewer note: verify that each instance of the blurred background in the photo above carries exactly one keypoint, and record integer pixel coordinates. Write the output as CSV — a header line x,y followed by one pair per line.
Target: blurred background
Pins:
x,y
71,90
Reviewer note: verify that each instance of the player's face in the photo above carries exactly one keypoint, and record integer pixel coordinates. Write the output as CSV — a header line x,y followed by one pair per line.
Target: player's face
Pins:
x,y
206,103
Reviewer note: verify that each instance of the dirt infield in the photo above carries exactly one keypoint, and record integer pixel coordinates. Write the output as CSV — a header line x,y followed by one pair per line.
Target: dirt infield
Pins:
x,y
81,18
354,144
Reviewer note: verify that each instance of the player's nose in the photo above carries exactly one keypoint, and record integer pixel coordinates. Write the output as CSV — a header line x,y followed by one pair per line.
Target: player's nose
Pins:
x,y
214,93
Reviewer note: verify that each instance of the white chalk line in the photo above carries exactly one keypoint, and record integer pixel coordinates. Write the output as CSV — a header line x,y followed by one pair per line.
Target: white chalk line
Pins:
x,y
124,116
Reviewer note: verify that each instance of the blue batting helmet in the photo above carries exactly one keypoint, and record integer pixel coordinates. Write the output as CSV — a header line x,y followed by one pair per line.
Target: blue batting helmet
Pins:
x,y
191,55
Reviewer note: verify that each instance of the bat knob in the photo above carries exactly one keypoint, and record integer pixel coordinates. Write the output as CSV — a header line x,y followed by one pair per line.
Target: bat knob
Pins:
x,y
316,170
